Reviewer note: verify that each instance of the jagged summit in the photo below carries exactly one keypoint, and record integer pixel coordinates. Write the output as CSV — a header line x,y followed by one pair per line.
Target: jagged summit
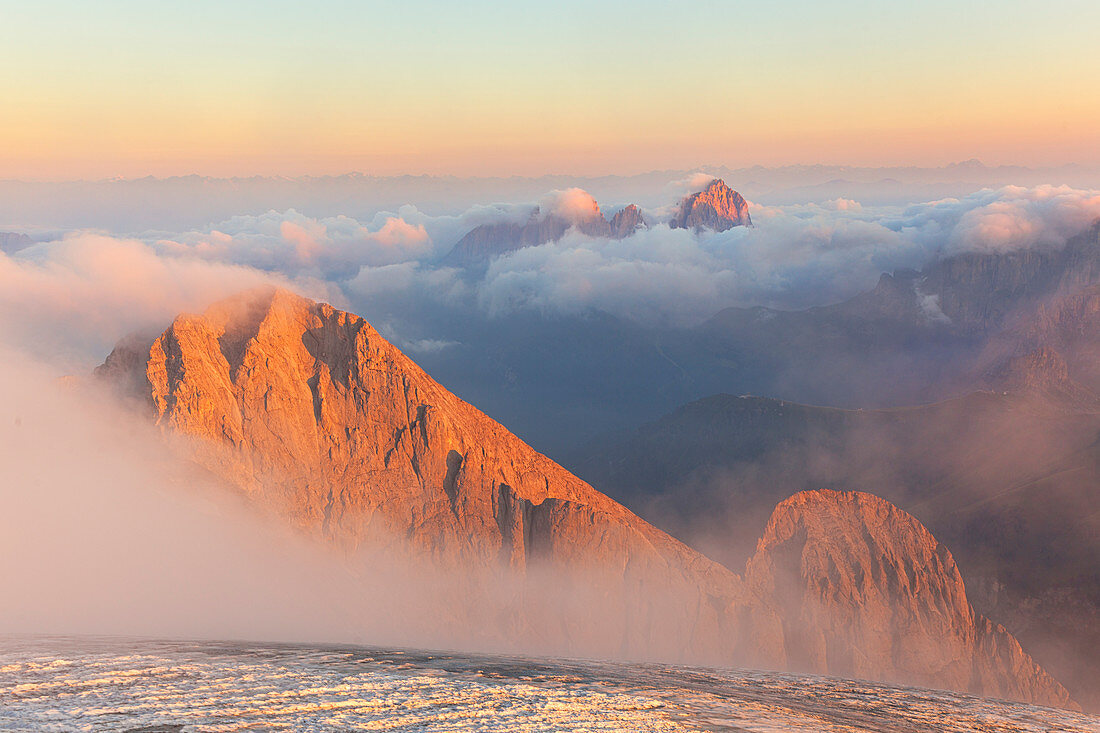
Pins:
x,y
308,411
311,414
626,221
716,207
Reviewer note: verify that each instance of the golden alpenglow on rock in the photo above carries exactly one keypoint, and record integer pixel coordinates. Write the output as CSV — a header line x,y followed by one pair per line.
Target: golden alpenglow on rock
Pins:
x,y
865,591
716,207
312,415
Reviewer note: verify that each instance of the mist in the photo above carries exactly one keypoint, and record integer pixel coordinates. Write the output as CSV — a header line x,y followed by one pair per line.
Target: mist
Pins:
x,y
109,528
126,206
1005,481
628,309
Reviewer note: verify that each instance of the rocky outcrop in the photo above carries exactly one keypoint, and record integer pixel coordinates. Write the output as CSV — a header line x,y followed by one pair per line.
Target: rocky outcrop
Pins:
x,y
311,414
716,207
979,292
1005,480
627,221
865,591
1043,371
1055,348
541,227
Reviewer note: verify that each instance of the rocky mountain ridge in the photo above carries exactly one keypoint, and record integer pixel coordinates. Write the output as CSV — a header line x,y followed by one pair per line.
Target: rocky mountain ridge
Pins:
x,y
310,413
496,238
717,207
626,221
865,591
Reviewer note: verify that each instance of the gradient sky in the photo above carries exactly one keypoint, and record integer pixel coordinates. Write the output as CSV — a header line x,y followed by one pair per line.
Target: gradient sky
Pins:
x,y
131,88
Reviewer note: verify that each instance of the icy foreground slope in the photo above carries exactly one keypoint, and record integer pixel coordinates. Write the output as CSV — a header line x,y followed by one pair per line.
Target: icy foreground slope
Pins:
x,y
67,684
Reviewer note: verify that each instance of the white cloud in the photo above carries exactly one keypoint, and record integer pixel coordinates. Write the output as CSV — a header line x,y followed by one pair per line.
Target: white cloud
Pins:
x,y
75,297
85,290
572,204
797,256
1002,220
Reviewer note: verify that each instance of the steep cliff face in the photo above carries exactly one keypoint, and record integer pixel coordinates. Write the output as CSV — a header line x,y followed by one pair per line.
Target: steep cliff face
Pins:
x,y
980,291
1043,371
314,416
716,207
864,590
626,221
1057,345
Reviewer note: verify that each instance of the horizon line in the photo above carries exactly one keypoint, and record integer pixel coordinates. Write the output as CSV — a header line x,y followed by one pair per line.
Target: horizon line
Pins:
x,y
970,163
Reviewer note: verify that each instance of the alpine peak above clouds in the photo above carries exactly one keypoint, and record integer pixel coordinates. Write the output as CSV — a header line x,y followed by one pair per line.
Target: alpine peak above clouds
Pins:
x,y
316,418
716,207
626,221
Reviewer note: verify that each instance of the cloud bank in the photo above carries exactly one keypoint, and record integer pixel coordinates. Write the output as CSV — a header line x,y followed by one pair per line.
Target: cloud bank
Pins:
x,y
87,289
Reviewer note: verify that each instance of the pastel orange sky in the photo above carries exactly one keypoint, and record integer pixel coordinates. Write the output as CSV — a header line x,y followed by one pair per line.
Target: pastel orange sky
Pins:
x,y
278,88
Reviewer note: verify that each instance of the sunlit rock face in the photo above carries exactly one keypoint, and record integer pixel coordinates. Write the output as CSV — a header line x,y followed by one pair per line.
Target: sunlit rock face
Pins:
x,y
716,207
865,591
308,411
626,221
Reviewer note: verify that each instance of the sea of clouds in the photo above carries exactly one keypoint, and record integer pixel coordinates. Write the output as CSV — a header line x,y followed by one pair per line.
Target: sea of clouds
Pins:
x,y
74,293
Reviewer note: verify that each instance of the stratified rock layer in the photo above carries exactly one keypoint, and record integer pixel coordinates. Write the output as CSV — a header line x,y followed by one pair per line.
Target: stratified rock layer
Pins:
x,y
865,591
310,412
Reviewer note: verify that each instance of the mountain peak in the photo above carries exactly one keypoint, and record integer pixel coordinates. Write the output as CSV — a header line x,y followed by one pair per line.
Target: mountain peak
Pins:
x,y
716,207
314,417
842,566
252,306
311,414
626,221
556,214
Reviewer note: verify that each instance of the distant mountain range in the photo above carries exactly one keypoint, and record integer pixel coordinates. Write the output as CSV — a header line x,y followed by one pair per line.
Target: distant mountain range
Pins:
x,y
915,337
309,413
182,202
716,207
12,242
959,325
999,353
